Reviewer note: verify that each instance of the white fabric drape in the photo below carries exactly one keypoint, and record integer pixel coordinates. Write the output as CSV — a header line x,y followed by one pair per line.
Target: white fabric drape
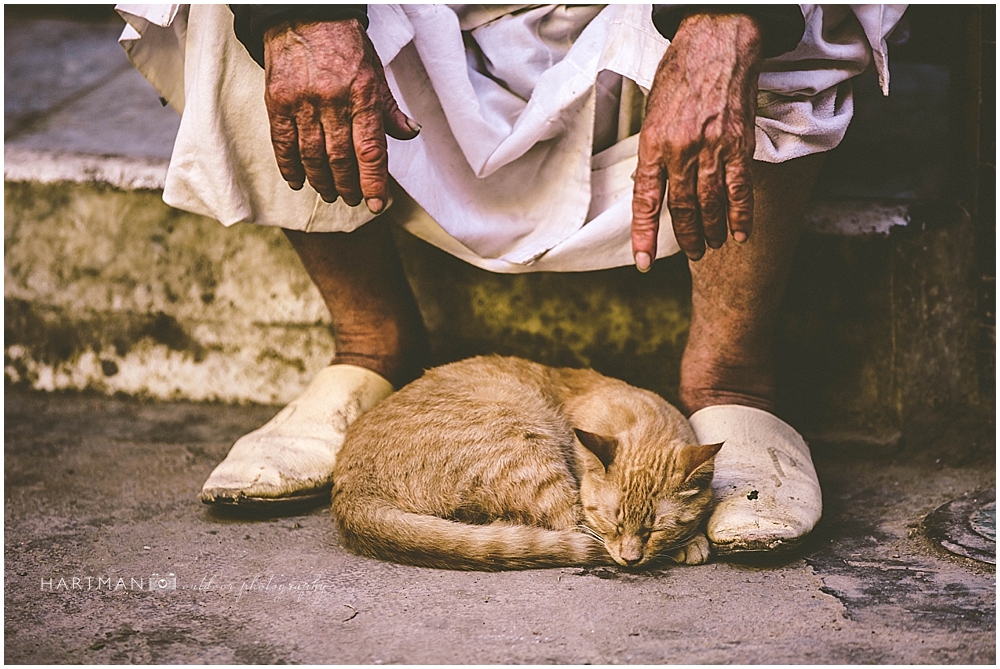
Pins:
x,y
519,165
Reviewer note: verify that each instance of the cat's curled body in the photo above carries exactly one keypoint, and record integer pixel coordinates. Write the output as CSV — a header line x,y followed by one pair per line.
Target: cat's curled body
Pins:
x,y
501,463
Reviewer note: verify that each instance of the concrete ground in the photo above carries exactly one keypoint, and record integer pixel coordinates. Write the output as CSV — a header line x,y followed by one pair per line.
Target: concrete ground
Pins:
x,y
99,488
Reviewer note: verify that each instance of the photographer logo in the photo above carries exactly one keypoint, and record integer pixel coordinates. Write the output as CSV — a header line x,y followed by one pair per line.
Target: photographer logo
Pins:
x,y
168,582
154,583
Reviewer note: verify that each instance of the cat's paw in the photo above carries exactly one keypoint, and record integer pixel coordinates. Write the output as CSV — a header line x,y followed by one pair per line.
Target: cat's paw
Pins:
x,y
695,551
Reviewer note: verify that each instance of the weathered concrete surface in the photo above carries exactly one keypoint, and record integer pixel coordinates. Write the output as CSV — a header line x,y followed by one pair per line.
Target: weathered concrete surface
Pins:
x,y
875,331
70,97
50,63
115,291
876,334
105,488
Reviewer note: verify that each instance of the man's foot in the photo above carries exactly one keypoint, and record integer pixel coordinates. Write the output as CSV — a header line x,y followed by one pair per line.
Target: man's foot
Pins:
x,y
380,343
767,494
291,458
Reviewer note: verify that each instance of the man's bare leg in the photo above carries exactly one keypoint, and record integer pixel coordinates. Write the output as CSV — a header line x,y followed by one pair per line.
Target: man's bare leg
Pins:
x,y
766,486
376,322
736,291
381,344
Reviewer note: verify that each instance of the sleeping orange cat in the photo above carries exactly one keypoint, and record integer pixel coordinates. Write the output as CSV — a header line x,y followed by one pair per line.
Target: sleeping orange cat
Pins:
x,y
500,463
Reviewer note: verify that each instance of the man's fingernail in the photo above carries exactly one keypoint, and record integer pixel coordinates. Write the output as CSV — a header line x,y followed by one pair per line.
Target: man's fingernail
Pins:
x,y
643,262
632,176
414,126
295,186
375,204
739,237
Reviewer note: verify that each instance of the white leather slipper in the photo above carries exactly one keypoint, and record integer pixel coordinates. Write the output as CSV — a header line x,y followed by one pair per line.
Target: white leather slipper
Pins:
x,y
767,495
291,457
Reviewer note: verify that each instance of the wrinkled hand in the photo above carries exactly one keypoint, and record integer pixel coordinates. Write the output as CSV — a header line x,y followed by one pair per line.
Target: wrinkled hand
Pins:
x,y
330,110
698,134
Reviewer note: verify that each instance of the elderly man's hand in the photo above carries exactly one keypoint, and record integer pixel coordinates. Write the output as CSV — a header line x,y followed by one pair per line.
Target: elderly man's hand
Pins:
x,y
330,110
698,134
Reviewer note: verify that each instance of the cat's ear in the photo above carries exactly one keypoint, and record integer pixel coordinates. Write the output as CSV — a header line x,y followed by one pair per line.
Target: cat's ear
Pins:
x,y
603,447
696,461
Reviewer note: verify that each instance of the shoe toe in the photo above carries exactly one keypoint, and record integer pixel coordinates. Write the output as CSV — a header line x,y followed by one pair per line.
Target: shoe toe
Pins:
x,y
270,466
768,497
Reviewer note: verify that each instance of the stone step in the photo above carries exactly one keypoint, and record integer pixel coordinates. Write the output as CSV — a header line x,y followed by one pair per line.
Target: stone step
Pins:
x,y
109,290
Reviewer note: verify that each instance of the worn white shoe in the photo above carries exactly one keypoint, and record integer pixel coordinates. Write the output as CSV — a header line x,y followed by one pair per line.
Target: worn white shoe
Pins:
x,y
291,457
767,495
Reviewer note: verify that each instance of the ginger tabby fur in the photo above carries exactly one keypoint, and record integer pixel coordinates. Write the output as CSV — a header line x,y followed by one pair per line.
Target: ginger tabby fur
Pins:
x,y
500,463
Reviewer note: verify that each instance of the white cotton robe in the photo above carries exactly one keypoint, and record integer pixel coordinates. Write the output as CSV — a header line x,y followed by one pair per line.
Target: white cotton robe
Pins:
x,y
529,121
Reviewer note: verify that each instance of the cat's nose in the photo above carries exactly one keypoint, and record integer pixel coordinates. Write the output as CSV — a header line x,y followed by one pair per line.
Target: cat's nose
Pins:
x,y
631,550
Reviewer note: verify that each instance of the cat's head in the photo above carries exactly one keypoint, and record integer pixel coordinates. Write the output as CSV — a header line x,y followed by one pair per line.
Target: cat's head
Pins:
x,y
645,499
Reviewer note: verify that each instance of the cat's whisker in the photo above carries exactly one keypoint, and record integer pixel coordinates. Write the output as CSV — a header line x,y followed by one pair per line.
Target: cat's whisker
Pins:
x,y
591,533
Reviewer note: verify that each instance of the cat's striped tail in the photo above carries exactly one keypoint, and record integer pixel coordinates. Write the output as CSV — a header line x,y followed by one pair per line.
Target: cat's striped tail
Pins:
x,y
375,528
